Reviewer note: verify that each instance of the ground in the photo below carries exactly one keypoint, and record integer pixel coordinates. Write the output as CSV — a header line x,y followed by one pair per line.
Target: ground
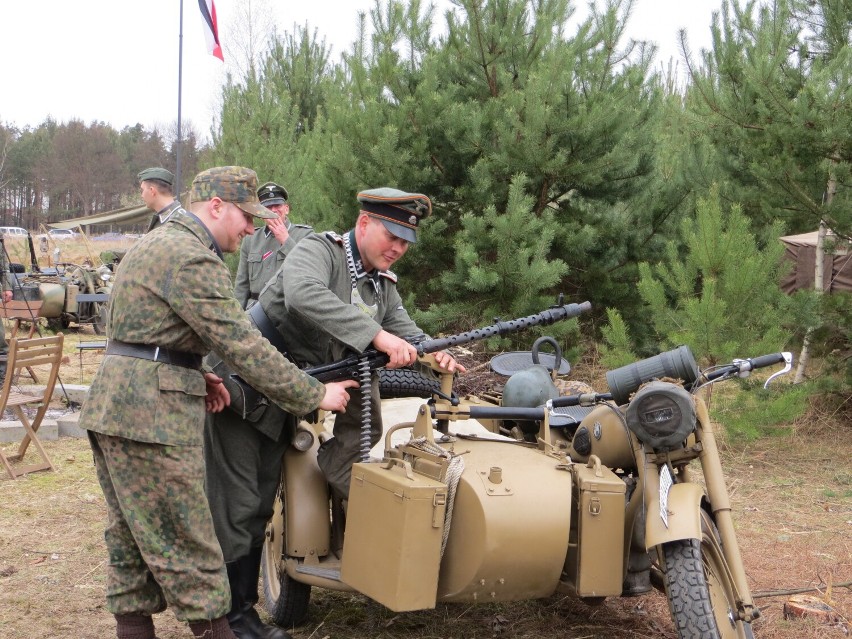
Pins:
x,y
792,505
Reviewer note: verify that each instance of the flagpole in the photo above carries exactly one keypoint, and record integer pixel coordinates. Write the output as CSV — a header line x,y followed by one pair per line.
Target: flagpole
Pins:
x,y
178,182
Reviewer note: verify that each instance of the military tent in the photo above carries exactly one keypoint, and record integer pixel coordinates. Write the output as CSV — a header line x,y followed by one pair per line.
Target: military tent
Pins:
x,y
127,215
801,250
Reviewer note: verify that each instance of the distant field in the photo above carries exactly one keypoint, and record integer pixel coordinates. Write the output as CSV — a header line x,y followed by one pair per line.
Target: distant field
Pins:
x,y
77,250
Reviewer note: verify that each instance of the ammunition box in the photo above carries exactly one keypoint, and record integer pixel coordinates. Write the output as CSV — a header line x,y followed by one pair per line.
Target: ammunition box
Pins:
x,y
595,563
394,525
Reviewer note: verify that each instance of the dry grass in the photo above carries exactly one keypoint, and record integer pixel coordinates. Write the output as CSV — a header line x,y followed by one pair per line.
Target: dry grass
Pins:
x,y
792,502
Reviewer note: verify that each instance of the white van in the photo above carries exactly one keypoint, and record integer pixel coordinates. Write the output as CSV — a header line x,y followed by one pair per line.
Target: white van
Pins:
x,y
13,230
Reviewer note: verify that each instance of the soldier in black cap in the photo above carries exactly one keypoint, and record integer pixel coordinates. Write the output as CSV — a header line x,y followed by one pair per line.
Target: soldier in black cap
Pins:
x,y
156,185
336,295
262,254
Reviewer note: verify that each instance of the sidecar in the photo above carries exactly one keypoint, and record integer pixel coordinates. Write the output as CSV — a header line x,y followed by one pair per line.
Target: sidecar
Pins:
x,y
524,522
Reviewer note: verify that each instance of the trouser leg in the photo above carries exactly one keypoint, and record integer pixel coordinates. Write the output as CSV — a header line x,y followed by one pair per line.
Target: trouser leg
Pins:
x,y
159,492
131,588
243,475
336,455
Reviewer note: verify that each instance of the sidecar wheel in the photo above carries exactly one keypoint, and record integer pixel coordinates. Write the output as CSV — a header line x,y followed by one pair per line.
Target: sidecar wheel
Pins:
x,y
405,382
286,599
701,596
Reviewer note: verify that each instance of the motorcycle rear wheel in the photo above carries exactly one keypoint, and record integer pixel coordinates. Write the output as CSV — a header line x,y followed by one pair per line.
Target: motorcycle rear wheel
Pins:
x,y
286,599
700,592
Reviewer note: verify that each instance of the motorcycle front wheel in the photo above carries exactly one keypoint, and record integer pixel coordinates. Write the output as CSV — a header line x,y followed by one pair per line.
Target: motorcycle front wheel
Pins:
x,y
286,599
699,589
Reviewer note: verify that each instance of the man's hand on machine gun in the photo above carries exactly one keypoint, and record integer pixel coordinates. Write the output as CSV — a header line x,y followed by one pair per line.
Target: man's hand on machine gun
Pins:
x,y
336,397
445,360
400,352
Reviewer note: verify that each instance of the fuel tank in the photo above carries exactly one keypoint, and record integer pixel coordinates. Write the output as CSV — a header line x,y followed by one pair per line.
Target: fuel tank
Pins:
x,y
510,527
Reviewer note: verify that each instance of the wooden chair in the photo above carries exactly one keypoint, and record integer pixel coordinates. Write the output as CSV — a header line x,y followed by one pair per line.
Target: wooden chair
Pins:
x,y
26,312
24,353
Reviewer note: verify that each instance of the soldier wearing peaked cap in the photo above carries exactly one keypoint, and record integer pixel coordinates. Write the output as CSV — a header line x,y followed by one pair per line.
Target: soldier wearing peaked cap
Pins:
x,y
171,304
336,295
156,186
262,254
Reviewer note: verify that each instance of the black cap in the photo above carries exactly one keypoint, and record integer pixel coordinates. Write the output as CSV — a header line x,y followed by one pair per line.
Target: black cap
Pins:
x,y
271,194
399,211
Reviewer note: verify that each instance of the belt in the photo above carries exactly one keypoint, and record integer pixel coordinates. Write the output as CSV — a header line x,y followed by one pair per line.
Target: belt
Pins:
x,y
154,353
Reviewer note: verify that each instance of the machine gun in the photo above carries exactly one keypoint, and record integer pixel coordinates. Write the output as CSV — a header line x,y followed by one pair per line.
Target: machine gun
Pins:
x,y
353,366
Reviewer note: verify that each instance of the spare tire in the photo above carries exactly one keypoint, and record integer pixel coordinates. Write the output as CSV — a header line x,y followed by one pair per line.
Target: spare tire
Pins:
x,y
405,382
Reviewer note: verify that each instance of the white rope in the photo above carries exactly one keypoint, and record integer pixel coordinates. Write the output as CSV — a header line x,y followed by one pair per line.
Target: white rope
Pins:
x,y
455,468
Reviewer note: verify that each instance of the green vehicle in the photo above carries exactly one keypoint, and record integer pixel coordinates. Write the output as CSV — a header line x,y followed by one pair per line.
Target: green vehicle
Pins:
x,y
68,292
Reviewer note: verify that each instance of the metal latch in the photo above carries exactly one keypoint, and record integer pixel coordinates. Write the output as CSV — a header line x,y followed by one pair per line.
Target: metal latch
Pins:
x,y
595,506
439,510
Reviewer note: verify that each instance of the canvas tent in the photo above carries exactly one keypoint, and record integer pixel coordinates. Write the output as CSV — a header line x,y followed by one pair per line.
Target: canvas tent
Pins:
x,y
128,215
801,251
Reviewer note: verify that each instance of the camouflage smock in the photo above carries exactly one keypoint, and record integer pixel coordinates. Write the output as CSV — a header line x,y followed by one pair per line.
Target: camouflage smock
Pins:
x,y
171,290
261,255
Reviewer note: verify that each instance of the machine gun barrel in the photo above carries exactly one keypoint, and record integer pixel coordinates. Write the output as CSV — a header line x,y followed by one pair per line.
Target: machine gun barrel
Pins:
x,y
347,368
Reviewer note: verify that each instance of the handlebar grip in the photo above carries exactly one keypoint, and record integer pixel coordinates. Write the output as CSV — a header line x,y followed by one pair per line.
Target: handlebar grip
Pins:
x,y
766,360
566,400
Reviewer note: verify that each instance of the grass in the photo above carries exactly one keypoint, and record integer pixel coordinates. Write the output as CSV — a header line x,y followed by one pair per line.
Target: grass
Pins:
x,y
791,503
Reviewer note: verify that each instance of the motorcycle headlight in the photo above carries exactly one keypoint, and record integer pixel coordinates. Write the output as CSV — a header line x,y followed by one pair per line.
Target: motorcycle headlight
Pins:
x,y
661,415
105,277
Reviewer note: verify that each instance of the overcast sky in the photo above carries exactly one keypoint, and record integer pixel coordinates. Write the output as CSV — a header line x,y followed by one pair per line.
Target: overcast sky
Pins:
x,y
117,61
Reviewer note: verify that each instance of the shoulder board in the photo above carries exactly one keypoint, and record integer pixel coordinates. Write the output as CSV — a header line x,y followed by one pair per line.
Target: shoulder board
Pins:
x,y
389,275
334,237
304,226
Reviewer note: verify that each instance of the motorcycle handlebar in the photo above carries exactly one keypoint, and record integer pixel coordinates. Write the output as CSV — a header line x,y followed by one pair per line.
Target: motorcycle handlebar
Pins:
x,y
584,399
767,360
745,366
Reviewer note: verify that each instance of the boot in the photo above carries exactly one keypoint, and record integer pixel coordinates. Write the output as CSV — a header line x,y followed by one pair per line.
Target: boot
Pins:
x,y
243,618
211,629
134,626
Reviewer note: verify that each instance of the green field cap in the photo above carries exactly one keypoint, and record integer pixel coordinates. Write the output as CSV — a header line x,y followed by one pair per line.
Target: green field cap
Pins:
x,y
156,173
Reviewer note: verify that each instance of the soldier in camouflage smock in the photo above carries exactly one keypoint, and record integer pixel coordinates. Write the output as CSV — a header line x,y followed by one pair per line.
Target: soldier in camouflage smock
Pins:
x,y
335,295
172,303
262,254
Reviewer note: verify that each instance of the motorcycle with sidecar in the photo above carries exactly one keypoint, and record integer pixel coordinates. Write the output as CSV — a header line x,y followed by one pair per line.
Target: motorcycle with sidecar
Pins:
x,y
514,496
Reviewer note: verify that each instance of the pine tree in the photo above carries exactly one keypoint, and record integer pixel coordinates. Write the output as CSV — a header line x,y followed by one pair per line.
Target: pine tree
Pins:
x,y
717,290
774,97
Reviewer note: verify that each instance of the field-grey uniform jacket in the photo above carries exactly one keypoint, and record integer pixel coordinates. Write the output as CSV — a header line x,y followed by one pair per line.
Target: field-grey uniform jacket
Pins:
x,y
310,304
164,215
261,256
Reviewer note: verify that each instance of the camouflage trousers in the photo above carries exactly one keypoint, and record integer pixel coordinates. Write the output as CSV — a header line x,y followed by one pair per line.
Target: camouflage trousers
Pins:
x,y
160,538
336,456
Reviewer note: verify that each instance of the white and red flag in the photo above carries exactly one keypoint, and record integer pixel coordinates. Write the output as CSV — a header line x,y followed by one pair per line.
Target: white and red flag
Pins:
x,y
211,28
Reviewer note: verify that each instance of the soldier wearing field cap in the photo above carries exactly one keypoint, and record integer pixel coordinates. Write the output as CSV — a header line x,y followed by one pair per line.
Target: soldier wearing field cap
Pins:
x,y
171,304
336,295
262,254
156,186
